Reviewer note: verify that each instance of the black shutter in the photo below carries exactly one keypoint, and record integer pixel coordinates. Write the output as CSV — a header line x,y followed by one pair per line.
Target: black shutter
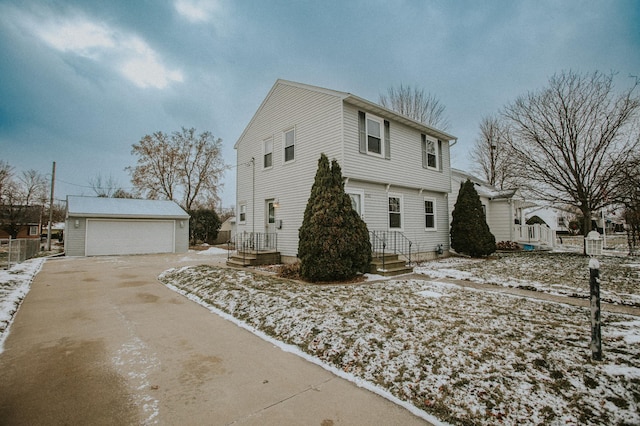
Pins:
x,y
362,131
387,141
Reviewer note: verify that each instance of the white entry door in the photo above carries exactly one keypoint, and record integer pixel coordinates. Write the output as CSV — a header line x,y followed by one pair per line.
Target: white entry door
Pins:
x,y
270,217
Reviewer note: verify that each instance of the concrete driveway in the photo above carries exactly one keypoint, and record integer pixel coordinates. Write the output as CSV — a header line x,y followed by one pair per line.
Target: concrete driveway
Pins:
x,y
100,341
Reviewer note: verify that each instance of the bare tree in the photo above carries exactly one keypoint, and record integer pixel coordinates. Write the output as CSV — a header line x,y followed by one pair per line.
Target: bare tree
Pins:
x,y
6,174
415,103
628,183
103,187
491,156
22,198
182,167
570,138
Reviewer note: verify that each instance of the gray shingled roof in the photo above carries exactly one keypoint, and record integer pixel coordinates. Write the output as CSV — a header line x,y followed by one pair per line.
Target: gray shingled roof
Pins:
x,y
123,208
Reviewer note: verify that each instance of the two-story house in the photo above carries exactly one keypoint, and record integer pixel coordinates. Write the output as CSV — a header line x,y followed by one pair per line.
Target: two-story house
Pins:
x,y
396,170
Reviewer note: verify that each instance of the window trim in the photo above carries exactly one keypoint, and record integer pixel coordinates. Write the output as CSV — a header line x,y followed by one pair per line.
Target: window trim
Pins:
x,y
370,117
359,192
425,155
242,210
435,214
33,230
401,205
265,153
284,145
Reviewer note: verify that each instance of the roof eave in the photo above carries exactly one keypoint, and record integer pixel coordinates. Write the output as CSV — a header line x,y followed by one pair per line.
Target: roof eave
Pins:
x,y
387,113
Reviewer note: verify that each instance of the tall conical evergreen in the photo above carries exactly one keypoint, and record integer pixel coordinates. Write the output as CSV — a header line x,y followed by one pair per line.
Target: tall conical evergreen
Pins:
x,y
470,233
333,239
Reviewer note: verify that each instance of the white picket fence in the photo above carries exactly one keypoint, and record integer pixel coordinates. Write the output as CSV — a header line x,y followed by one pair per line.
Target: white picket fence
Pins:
x,y
535,234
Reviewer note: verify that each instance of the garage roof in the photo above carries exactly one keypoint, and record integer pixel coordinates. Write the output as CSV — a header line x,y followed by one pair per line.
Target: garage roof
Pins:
x,y
123,208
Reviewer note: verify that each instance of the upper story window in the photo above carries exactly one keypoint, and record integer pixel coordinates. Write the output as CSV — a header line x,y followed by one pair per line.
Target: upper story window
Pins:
x,y
430,213
395,212
33,230
243,213
268,153
431,153
289,145
374,135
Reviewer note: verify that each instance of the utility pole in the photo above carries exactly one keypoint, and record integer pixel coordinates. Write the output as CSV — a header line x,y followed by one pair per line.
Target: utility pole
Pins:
x,y
53,181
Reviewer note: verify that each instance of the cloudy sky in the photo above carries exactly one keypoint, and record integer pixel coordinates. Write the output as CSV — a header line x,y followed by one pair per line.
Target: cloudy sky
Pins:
x,y
83,80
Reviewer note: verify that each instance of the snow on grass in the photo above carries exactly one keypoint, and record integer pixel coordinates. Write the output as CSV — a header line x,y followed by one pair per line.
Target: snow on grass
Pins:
x,y
465,357
565,274
14,286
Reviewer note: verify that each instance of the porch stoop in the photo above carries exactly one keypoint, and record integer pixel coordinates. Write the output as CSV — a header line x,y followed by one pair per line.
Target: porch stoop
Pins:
x,y
392,266
240,259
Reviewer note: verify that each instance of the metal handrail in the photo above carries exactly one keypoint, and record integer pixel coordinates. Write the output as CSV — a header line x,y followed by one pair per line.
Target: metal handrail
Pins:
x,y
393,241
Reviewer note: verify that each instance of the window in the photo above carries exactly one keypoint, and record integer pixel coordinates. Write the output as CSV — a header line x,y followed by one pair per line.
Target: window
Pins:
x,y
395,212
430,213
357,197
33,230
268,153
374,135
430,153
289,145
243,213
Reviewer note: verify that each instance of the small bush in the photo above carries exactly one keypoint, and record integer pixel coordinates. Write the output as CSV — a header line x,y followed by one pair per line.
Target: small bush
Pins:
x,y
291,271
507,245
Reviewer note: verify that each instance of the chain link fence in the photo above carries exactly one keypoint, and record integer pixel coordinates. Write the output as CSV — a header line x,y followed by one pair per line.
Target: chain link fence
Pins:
x,y
16,251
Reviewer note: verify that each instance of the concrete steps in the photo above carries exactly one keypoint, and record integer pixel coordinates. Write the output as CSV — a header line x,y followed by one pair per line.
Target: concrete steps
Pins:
x,y
389,265
252,258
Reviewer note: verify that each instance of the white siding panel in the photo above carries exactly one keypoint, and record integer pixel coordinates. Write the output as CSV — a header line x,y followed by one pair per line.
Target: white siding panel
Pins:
x,y
376,214
118,237
316,117
405,166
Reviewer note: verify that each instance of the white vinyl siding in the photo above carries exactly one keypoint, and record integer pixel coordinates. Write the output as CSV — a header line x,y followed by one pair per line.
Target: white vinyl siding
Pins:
x,y
315,118
403,167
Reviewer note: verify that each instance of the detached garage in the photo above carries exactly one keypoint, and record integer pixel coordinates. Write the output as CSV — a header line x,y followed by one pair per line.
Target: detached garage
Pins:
x,y
98,226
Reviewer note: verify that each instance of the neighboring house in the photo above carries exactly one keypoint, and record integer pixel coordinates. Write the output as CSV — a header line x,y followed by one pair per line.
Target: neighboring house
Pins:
x,y
504,210
558,220
396,170
20,221
227,230
116,226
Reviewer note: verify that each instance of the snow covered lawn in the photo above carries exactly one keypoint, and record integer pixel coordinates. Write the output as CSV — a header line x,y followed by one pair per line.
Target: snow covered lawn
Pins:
x,y
462,355
565,274
14,286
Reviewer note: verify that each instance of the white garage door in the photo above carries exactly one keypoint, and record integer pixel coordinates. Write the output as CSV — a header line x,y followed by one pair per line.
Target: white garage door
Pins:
x,y
113,237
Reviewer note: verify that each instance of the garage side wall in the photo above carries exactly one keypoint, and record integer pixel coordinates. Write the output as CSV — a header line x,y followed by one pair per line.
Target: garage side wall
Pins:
x,y
74,236
182,235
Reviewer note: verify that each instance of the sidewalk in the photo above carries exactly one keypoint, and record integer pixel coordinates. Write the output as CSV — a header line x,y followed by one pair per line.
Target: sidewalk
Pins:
x,y
100,341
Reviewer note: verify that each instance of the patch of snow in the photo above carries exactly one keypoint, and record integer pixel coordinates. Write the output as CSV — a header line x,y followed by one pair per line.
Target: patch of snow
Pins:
x,y
429,293
212,251
14,286
474,355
